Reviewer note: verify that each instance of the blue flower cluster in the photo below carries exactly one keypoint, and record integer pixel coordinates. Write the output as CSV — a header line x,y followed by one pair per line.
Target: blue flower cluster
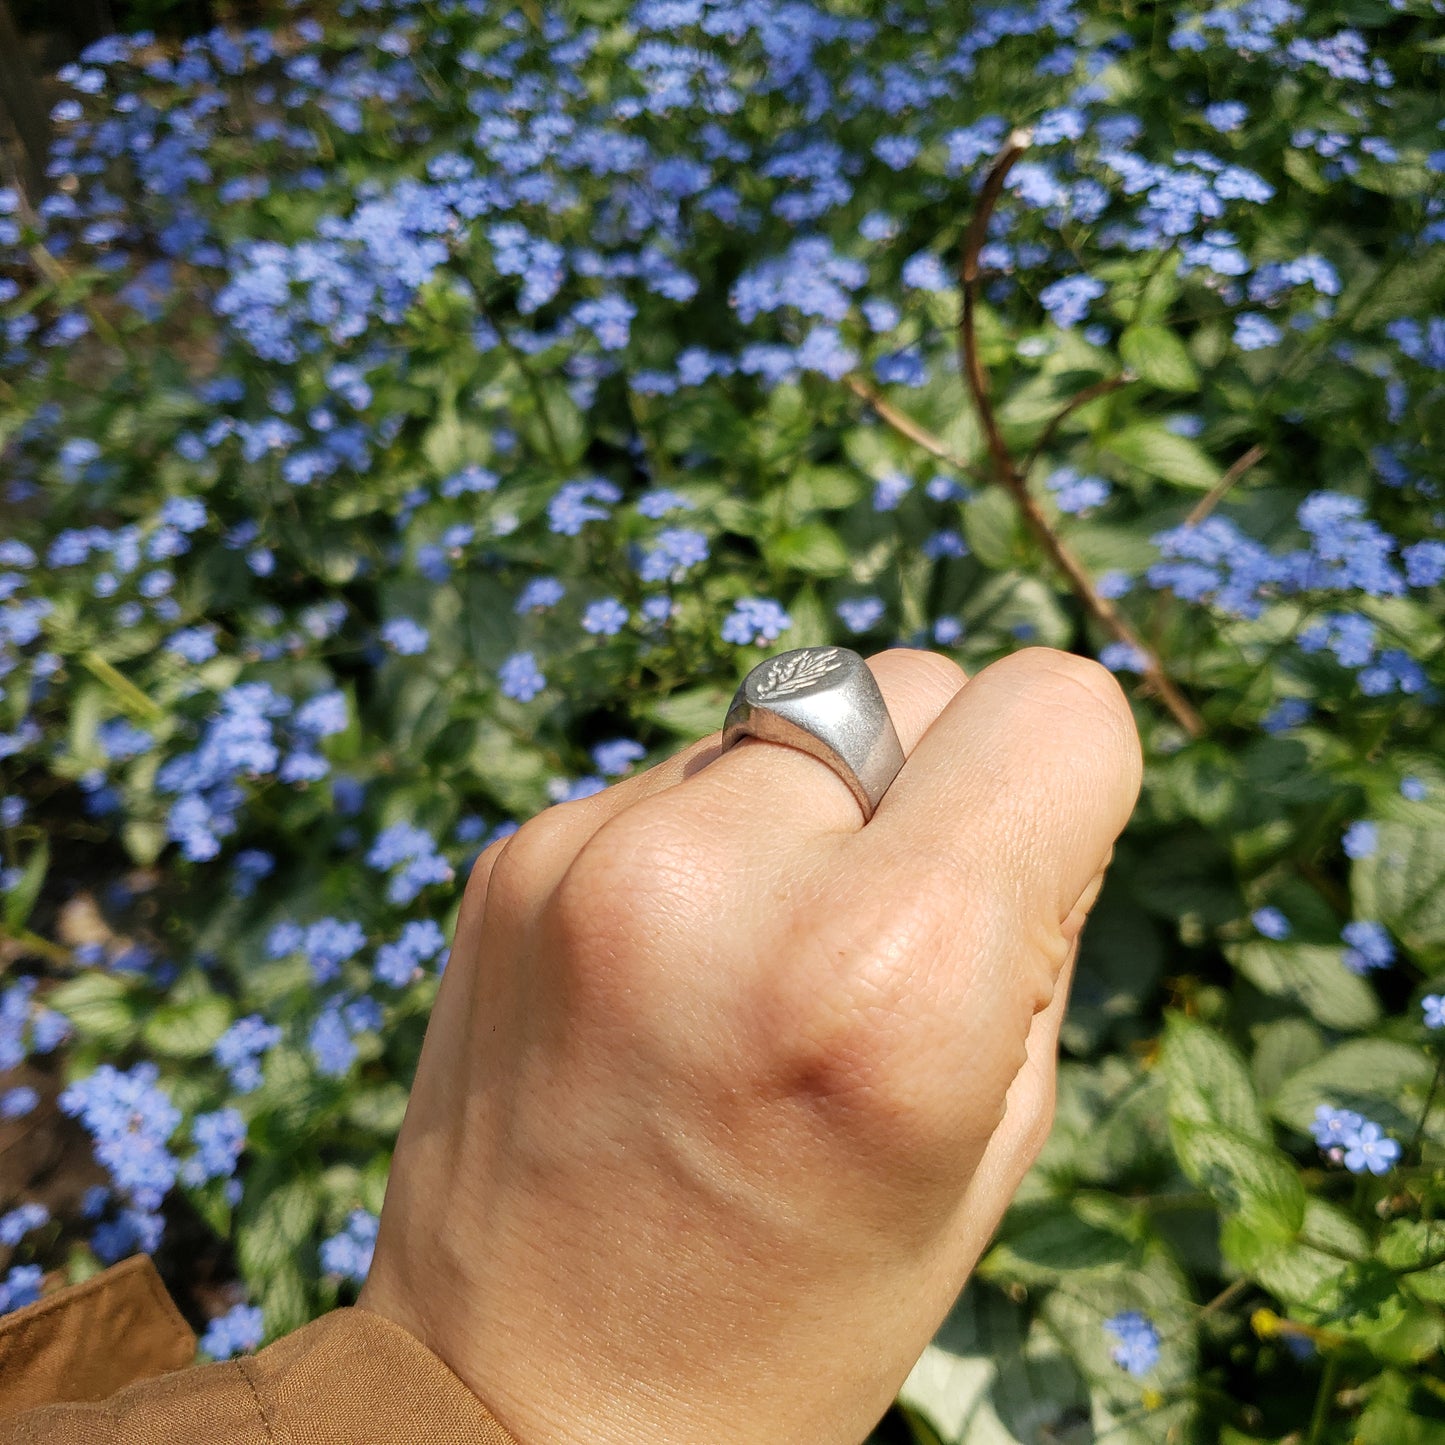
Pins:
x,y
1348,556
236,1332
1135,1345
131,1120
1350,1139
399,962
239,1049
26,1027
348,1253
1368,946
19,1222
408,854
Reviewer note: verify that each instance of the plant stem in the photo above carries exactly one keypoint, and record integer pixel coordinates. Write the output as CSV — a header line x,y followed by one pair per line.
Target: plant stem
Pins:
x,y
1220,489
1006,471
1226,1296
1429,1104
29,942
1079,399
1100,608
133,699
969,362
519,360
905,426
1323,1400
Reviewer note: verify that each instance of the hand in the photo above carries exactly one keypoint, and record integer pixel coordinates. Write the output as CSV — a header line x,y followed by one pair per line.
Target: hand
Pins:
x,y
724,1092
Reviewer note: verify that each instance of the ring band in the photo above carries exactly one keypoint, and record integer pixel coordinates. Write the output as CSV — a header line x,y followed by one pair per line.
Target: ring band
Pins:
x,y
823,701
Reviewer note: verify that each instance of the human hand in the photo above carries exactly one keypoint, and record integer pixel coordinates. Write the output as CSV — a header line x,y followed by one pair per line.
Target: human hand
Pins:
x,y
724,1092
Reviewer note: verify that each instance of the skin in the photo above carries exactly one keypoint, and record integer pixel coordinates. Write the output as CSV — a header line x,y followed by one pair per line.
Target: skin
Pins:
x,y
725,1092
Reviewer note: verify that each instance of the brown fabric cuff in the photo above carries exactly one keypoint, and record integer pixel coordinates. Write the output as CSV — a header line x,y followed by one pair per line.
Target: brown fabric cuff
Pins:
x,y
354,1376
92,1339
76,1368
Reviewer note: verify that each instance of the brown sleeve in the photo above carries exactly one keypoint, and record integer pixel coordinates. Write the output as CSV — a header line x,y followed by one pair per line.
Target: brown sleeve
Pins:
x,y
349,1378
87,1341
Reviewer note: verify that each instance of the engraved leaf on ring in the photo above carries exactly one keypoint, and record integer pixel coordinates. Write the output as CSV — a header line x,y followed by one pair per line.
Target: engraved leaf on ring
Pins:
x,y
793,674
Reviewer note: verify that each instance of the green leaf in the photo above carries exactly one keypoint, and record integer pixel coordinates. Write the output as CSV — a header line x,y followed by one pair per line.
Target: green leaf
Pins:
x,y
1120,957
287,1299
291,1102
1157,452
1372,1076
1384,292
143,841
1159,357
1242,1176
553,417
379,1108
824,489
1366,1302
280,1224
100,1006
993,529
1416,1249
813,548
813,625
1402,884
993,1376
1409,1244
691,712
1400,1410
1044,1241
20,900
1296,1271
1015,606
1185,874
513,772
1283,1048
1202,782
1208,1081
1301,168
187,1030
1158,1289
1311,976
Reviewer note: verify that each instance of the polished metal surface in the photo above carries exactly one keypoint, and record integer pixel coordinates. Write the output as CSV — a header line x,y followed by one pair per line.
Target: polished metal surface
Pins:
x,y
823,701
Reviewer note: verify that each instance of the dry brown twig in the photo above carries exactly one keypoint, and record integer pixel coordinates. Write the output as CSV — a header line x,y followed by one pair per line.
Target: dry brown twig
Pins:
x,y
1220,489
1004,470
905,426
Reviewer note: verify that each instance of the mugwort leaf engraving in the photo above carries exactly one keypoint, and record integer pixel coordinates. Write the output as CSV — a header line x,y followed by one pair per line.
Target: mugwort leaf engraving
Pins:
x,y
792,674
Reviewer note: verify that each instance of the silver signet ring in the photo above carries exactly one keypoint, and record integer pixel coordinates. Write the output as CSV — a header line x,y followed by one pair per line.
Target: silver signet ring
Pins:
x,y
824,701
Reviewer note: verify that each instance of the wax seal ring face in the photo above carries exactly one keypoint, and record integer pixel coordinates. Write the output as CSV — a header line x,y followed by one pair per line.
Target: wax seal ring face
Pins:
x,y
823,701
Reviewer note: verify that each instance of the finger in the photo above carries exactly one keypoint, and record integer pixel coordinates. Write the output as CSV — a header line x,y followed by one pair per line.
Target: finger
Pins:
x,y
542,849
915,693
954,936
1017,1142
1018,789
766,797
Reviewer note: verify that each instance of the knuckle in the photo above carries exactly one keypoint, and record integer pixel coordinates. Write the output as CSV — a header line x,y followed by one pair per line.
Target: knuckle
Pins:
x,y
637,891
527,860
848,1036
485,864
479,880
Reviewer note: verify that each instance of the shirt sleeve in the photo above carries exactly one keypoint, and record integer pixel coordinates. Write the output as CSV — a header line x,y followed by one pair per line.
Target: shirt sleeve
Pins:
x,y
348,1378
